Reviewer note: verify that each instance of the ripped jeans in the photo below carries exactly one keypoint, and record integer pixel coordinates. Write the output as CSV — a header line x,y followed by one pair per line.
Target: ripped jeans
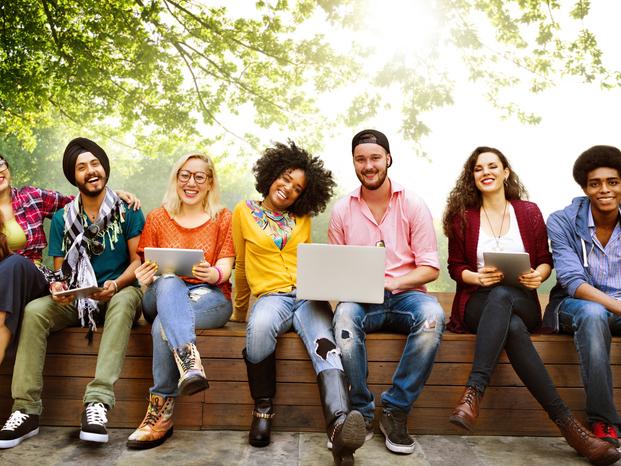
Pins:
x,y
413,313
275,314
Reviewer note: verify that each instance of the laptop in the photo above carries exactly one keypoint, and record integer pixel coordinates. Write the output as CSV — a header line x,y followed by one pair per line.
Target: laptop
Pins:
x,y
329,272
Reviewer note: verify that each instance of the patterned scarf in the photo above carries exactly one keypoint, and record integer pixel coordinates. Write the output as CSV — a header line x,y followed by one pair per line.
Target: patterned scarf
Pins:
x,y
277,225
79,243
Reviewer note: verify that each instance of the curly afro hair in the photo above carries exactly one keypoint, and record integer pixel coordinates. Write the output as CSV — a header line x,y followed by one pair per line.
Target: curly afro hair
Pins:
x,y
596,157
285,157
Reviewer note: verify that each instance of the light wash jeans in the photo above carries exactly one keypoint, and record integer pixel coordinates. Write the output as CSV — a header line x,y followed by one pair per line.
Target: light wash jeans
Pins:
x,y
275,314
412,313
175,319
592,326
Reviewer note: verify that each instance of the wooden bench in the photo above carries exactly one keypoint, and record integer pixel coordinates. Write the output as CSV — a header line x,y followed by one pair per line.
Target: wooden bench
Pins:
x,y
507,409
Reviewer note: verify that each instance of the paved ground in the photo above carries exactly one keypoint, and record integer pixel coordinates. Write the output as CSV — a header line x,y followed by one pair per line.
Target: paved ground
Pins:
x,y
61,446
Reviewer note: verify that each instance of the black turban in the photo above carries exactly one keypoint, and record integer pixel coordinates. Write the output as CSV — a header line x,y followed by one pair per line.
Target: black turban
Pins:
x,y
79,146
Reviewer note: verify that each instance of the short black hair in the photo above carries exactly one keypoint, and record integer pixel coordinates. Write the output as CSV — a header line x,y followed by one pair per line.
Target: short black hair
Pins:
x,y
596,157
284,157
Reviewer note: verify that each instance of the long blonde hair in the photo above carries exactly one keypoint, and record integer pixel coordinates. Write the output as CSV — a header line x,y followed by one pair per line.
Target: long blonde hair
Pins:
x,y
211,204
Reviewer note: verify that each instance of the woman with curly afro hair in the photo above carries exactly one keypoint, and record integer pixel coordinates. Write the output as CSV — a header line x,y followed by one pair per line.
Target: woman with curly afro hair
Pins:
x,y
294,185
485,212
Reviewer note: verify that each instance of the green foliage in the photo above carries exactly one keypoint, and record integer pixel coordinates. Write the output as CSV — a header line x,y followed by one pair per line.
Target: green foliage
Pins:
x,y
166,64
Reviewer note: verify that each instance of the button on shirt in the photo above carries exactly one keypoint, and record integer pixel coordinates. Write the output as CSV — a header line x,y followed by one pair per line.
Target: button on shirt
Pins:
x,y
604,261
406,230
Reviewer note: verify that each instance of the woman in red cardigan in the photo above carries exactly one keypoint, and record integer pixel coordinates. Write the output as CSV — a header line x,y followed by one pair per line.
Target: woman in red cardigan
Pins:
x,y
485,212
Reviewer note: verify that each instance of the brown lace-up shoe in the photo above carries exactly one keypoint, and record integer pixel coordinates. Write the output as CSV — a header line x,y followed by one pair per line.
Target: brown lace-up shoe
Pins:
x,y
597,451
466,412
192,377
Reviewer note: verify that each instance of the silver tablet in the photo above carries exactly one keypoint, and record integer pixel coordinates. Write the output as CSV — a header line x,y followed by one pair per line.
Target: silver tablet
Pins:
x,y
174,260
511,264
84,292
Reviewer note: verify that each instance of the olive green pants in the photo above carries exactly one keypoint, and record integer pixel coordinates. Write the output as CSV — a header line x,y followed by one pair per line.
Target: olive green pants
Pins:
x,y
44,316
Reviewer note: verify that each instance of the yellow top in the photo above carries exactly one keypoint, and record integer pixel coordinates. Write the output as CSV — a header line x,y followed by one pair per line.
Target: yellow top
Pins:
x,y
15,236
260,267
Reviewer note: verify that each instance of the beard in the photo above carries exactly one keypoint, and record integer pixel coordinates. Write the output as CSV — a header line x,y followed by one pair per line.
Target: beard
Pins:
x,y
372,186
89,191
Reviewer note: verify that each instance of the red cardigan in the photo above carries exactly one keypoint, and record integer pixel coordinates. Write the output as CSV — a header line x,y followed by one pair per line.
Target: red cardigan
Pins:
x,y
463,252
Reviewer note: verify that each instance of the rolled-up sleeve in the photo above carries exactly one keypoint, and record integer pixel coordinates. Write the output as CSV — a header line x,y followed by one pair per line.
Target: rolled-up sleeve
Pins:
x,y
422,234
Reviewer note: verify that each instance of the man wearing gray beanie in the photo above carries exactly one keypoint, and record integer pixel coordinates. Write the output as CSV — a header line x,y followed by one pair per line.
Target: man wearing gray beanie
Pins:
x,y
93,242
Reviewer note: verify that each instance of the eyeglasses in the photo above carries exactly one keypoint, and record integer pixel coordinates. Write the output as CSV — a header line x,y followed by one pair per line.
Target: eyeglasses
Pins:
x,y
95,247
3,165
184,176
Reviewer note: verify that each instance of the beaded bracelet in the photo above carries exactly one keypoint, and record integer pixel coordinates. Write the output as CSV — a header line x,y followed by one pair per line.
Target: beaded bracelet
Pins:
x,y
219,280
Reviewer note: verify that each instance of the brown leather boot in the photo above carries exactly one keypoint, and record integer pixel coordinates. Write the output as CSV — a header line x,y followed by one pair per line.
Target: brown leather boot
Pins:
x,y
466,412
597,451
157,424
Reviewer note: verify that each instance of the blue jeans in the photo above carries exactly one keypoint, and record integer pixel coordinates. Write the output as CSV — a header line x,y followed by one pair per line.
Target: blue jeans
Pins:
x,y
413,313
175,319
592,326
275,314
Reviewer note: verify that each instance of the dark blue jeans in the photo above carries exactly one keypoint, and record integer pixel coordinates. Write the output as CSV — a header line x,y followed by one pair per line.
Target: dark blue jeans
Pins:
x,y
413,313
502,317
592,326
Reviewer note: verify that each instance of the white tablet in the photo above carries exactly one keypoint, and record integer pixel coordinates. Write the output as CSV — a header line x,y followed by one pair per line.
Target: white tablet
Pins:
x,y
511,264
84,292
174,260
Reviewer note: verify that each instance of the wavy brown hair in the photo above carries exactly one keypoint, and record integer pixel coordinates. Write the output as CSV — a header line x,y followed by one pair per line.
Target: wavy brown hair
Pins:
x,y
465,195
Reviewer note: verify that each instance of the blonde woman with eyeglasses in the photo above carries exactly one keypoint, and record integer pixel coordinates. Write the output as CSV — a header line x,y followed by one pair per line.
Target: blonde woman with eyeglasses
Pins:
x,y
191,217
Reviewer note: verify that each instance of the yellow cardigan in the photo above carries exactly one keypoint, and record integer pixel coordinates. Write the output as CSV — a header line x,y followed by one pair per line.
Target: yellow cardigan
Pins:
x,y
260,267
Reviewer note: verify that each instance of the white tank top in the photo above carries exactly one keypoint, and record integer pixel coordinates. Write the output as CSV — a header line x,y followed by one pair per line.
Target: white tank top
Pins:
x,y
511,241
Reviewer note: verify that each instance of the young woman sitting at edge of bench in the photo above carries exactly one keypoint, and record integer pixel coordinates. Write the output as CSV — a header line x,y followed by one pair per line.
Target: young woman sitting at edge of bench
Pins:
x,y
294,186
485,212
191,217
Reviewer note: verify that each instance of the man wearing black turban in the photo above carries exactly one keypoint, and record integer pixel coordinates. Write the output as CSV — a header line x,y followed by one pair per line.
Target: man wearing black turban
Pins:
x,y
79,146
93,241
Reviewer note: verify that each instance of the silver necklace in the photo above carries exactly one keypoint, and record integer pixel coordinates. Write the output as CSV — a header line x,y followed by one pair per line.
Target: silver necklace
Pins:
x,y
502,223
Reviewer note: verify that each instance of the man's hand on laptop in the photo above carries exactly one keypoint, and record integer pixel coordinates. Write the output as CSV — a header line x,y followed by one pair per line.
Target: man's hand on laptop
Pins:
x,y
390,284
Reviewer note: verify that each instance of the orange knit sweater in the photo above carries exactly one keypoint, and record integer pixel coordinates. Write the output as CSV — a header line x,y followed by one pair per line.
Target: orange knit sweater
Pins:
x,y
214,237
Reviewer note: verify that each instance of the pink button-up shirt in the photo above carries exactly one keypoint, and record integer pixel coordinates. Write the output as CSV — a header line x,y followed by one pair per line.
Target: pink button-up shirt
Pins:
x,y
406,230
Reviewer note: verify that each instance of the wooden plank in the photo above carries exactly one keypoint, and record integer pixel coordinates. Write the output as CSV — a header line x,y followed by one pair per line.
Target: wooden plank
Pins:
x,y
563,375
69,387
421,420
304,394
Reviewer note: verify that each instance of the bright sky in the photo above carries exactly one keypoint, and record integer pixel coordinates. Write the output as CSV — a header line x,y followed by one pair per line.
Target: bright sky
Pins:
x,y
575,116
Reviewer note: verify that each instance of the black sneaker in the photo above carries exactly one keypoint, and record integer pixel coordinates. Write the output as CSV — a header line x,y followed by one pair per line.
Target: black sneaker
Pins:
x,y
18,427
394,426
94,422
